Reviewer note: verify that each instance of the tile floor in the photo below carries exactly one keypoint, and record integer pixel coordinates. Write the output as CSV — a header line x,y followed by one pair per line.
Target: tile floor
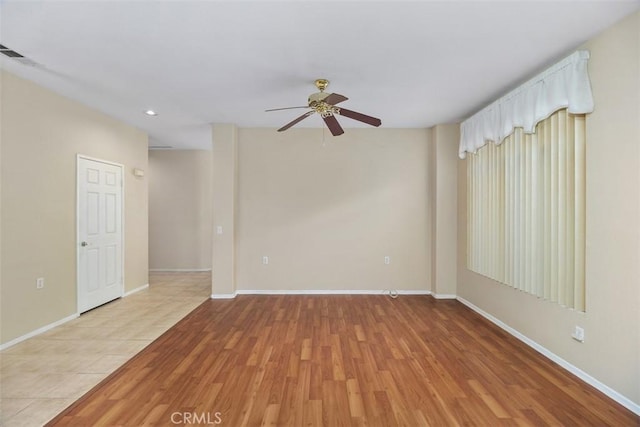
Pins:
x,y
43,375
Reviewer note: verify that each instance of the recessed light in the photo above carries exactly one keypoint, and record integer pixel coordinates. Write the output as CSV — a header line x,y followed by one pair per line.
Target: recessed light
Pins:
x,y
151,113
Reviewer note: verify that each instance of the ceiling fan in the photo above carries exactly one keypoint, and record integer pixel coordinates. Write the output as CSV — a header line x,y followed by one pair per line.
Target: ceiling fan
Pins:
x,y
325,105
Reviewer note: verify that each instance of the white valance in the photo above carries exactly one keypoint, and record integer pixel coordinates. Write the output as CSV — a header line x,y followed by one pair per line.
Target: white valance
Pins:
x,y
564,85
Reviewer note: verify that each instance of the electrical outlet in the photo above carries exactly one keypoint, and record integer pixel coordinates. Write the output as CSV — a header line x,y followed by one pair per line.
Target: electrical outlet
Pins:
x,y
218,229
387,260
40,283
578,334
265,260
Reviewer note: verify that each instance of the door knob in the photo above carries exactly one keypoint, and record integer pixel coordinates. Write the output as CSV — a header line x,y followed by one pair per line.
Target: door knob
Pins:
x,y
84,244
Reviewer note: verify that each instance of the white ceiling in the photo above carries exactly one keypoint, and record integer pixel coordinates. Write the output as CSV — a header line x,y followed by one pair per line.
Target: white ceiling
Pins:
x,y
413,64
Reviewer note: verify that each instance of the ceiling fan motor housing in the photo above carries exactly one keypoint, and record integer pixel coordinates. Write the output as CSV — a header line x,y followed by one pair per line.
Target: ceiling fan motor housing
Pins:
x,y
317,97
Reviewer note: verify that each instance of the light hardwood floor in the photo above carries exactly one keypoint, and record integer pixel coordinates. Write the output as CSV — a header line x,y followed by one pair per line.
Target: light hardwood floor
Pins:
x,y
43,375
292,360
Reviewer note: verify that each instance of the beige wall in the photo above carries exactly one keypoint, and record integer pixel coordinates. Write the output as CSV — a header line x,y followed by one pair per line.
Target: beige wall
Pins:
x,y
180,217
444,208
41,134
326,213
611,351
225,188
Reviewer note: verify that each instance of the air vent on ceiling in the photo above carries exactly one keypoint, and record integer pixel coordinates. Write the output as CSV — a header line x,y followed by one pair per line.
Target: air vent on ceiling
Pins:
x,y
16,56
9,52
160,147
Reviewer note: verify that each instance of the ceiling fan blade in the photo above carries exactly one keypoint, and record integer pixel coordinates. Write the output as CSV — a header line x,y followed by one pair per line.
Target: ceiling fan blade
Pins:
x,y
285,108
333,125
335,98
299,119
360,117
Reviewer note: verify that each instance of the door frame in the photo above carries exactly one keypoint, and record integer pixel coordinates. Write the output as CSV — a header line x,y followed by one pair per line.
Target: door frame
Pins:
x,y
77,240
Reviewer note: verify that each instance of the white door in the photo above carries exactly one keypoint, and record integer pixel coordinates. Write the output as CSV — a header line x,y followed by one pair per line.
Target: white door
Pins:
x,y
100,266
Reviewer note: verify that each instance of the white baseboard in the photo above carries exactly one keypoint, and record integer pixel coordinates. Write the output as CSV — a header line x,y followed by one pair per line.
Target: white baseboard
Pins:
x,y
318,292
328,292
179,270
138,289
38,331
223,296
623,400
445,296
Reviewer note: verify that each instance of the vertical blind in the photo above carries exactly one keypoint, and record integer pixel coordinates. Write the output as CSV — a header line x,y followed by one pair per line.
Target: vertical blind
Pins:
x,y
526,210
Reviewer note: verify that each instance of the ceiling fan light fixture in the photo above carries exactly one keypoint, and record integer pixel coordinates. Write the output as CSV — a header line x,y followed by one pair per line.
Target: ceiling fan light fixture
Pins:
x,y
324,109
